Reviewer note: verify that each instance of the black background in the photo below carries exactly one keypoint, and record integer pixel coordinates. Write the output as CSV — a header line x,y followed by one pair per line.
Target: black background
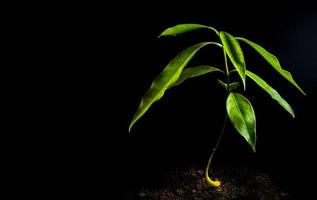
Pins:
x,y
182,128
98,61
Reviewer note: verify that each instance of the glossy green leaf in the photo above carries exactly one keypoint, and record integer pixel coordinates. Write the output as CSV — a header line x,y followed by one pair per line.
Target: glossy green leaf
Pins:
x,y
168,76
232,86
184,28
273,61
241,115
271,91
235,54
194,72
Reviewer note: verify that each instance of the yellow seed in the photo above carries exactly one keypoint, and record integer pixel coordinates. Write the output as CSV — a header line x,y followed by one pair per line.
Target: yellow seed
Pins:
x,y
214,183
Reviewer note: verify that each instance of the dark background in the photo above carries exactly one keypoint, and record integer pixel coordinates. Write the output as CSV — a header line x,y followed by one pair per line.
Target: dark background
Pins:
x,y
182,128
98,61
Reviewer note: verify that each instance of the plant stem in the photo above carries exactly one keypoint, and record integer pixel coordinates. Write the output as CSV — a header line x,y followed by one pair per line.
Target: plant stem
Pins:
x,y
211,182
216,146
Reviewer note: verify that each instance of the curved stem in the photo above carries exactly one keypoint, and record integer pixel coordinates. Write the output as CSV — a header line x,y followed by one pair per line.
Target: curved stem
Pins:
x,y
215,183
212,28
211,182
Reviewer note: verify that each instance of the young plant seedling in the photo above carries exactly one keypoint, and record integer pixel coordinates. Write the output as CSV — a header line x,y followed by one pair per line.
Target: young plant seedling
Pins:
x,y
238,108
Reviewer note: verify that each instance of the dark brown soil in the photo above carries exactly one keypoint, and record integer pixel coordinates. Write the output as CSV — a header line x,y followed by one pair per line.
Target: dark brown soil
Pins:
x,y
237,183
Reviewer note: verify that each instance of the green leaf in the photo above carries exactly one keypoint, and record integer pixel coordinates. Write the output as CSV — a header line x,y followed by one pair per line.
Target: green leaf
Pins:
x,y
271,91
273,61
194,72
168,76
232,86
241,115
184,28
235,54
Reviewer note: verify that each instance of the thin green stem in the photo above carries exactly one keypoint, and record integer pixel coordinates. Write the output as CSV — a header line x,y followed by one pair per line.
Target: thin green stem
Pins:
x,y
216,146
211,182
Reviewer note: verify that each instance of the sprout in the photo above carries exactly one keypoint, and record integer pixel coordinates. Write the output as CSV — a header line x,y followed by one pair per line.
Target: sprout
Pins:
x,y
239,109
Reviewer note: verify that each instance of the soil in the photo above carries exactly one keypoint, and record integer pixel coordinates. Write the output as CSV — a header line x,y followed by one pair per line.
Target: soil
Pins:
x,y
237,183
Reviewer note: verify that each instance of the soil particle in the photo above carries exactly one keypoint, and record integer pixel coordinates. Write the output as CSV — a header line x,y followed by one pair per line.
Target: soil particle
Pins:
x,y
237,183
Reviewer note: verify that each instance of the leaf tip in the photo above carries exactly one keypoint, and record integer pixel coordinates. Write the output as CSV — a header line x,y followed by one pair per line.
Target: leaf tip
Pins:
x,y
130,127
291,112
300,89
162,34
166,32
253,148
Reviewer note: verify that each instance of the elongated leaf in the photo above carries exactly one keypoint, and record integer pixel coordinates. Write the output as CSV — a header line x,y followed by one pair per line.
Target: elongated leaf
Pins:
x,y
194,72
168,76
271,91
184,28
232,86
270,58
235,54
241,115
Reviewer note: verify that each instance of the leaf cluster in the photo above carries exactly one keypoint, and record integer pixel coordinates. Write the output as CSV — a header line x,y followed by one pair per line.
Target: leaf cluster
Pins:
x,y
238,107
